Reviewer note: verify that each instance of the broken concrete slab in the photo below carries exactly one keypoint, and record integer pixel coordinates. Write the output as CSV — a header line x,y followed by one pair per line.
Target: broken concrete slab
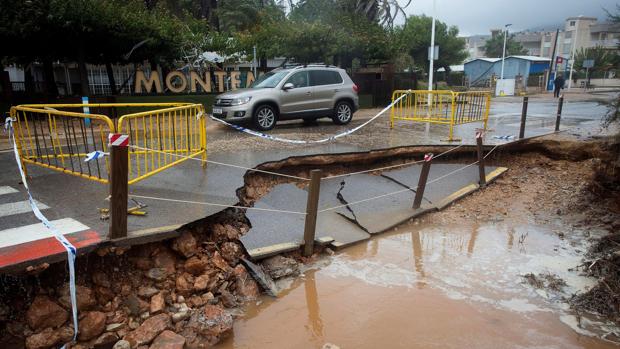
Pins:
x,y
277,232
435,191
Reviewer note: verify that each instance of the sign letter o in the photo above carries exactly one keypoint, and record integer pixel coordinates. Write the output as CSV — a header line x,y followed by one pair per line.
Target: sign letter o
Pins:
x,y
170,77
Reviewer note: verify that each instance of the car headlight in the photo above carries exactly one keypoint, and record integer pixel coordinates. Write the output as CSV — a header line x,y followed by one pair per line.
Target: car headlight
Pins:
x,y
240,101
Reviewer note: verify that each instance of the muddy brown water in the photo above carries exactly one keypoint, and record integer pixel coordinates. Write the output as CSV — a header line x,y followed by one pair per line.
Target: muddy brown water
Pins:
x,y
430,286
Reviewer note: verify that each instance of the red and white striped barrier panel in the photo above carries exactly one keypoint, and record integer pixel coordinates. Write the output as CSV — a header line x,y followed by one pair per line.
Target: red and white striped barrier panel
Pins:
x,y
117,139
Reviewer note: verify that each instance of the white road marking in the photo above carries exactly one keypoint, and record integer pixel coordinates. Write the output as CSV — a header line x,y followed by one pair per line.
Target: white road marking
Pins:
x,y
33,232
12,208
7,190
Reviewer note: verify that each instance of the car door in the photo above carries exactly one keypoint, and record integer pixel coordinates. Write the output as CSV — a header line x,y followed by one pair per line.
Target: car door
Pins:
x,y
327,83
299,98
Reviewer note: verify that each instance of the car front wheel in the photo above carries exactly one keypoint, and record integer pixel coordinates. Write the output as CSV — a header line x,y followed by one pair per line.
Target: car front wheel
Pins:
x,y
265,118
343,113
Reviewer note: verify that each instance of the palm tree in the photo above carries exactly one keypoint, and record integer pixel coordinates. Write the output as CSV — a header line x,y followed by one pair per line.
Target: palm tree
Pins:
x,y
382,11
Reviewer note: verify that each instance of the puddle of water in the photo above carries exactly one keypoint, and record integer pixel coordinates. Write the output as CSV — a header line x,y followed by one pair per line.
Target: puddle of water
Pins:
x,y
428,287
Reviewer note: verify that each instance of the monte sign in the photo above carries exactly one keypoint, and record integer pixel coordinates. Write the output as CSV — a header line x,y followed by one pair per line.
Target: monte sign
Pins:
x,y
178,81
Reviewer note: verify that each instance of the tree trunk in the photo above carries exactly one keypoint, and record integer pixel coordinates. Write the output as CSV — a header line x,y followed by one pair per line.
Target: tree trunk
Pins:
x,y
213,20
29,80
83,72
5,82
111,80
51,90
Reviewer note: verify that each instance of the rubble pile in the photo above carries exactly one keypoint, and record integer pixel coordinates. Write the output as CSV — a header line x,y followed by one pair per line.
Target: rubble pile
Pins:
x,y
174,294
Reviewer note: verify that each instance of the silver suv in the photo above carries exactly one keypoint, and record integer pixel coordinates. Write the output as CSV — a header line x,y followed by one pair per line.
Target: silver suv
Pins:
x,y
304,92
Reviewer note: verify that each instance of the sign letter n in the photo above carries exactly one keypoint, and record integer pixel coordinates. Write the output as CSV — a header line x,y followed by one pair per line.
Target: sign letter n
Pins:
x,y
148,84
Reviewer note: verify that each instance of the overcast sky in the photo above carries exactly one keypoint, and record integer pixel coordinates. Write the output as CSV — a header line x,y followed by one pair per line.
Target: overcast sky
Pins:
x,y
478,16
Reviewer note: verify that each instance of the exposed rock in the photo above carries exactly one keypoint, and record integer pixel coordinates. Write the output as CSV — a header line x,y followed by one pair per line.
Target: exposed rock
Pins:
x,y
101,279
223,232
157,274
195,266
148,330
279,266
181,315
220,262
231,251
228,299
147,291
185,244
114,327
211,321
91,325
136,305
184,284
105,341
201,282
245,286
49,337
45,313
103,294
122,344
143,263
85,297
165,259
168,340
207,297
196,301
158,303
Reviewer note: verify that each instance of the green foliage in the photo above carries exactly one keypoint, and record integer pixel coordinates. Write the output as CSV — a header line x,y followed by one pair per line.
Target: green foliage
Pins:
x,y
103,29
604,59
414,38
494,46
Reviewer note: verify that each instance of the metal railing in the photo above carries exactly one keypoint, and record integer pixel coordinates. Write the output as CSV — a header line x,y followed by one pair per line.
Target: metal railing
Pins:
x,y
441,107
60,140
163,138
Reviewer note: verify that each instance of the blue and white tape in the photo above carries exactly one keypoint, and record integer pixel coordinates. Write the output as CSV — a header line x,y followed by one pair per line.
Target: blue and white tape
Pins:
x,y
94,155
71,250
300,141
506,137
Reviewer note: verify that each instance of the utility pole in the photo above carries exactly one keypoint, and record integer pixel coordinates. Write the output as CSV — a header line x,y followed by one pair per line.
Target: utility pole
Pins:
x,y
572,56
551,65
501,76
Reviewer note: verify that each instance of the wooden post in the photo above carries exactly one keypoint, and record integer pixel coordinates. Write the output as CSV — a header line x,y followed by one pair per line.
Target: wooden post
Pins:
x,y
483,178
118,188
419,193
523,117
559,115
311,211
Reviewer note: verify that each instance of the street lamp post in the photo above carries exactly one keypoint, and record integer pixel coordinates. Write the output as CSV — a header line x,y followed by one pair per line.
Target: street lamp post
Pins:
x,y
432,53
501,75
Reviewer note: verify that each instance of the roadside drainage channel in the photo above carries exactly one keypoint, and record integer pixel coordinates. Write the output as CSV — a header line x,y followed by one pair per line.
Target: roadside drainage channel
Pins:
x,y
339,225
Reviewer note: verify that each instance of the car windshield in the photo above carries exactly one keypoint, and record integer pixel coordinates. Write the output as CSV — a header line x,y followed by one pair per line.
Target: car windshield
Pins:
x,y
269,80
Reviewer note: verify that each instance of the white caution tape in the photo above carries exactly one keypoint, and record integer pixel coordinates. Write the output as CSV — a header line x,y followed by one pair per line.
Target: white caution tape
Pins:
x,y
71,250
299,141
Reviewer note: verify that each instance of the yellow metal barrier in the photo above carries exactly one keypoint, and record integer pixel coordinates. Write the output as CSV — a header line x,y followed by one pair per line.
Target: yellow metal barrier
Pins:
x,y
163,138
60,140
441,107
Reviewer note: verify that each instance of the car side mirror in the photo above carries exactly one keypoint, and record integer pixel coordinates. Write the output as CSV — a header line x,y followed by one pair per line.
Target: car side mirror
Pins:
x,y
288,86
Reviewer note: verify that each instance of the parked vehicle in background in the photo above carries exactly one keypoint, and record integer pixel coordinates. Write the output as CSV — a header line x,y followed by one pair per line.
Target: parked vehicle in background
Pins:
x,y
307,92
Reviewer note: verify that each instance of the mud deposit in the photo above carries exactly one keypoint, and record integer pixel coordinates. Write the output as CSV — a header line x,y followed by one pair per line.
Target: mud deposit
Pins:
x,y
429,286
